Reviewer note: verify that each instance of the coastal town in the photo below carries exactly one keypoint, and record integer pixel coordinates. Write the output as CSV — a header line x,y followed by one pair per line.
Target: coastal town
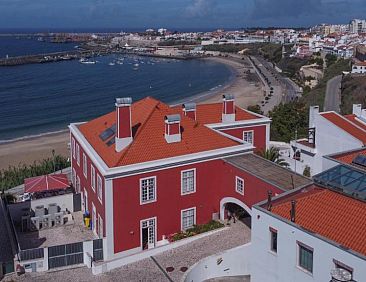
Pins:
x,y
261,177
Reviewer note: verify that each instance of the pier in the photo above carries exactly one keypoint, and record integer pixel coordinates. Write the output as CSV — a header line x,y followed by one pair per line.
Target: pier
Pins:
x,y
52,57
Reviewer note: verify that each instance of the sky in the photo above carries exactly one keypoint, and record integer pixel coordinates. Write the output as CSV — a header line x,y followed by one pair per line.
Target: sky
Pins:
x,y
179,14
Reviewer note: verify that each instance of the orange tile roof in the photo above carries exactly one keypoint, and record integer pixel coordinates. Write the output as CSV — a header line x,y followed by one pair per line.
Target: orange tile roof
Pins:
x,y
330,214
345,124
212,113
352,118
348,157
149,143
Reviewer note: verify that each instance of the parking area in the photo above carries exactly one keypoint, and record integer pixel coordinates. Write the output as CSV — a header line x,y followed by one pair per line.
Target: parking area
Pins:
x,y
167,266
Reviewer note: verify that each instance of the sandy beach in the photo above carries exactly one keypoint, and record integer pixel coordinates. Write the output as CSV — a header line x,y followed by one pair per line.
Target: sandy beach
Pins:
x,y
246,88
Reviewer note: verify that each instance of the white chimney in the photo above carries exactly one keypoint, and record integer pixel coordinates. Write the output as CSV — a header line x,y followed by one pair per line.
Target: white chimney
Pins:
x,y
313,111
172,129
357,109
189,110
228,109
123,122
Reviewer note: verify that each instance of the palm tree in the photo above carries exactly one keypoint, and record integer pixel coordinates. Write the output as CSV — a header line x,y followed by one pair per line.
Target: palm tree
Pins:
x,y
273,154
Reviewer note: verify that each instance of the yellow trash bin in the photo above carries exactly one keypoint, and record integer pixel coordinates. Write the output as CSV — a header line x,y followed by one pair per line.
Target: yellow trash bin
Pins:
x,y
87,222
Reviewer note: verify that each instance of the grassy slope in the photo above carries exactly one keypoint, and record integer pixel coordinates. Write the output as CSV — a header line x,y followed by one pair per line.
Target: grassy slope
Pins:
x,y
316,95
353,92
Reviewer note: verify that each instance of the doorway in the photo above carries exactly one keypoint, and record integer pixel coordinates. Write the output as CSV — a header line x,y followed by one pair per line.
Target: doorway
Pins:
x,y
148,233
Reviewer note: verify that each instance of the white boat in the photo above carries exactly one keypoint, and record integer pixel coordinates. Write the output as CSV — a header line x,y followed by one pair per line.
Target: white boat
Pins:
x,y
87,62
111,63
136,65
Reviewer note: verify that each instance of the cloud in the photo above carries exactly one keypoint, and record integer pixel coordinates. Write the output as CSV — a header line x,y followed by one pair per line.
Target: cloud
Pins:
x,y
201,8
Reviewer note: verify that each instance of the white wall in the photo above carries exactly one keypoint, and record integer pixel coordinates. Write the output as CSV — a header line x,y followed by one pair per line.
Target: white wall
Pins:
x,y
234,262
282,267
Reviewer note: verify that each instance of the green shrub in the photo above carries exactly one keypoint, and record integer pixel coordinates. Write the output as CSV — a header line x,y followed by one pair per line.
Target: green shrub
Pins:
x,y
197,229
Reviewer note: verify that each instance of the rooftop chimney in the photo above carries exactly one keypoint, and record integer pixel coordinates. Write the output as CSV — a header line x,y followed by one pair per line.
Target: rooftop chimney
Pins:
x,y
172,128
228,109
293,210
123,118
189,110
313,110
269,202
357,109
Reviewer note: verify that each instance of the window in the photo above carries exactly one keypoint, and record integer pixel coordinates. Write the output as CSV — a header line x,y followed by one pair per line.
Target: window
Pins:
x,y
99,188
92,177
78,154
78,184
273,233
73,147
188,218
305,257
188,184
85,166
248,136
74,177
100,226
239,185
147,190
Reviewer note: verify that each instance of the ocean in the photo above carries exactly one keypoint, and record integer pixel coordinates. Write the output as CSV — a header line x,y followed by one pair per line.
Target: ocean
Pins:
x,y
41,98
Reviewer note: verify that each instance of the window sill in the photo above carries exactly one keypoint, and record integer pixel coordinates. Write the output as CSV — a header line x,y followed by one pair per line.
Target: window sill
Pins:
x,y
187,193
147,202
273,253
304,270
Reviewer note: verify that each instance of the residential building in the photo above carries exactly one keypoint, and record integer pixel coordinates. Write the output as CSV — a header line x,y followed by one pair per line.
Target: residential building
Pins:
x,y
154,170
329,133
357,26
359,67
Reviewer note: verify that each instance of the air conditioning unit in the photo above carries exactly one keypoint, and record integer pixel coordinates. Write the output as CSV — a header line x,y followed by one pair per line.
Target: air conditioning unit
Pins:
x,y
59,218
39,211
52,208
46,222
35,223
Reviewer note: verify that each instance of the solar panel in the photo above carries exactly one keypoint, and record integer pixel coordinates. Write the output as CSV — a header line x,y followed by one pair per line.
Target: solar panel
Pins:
x,y
360,160
108,133
111,142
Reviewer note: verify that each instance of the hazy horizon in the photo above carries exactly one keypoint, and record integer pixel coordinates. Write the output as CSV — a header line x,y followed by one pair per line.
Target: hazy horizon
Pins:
x,y
175,14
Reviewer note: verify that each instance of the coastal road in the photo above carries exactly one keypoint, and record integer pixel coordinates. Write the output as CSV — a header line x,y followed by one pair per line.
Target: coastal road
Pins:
x,y
332,100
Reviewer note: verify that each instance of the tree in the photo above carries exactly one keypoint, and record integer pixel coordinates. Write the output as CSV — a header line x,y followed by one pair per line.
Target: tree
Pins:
x,y
255,109
273,154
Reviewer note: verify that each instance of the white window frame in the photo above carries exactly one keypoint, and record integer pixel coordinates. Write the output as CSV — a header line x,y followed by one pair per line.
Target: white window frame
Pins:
x,y
78,154
299,246
73,147
92,177
155,219
194,181
100,226
94,218
99,188
194,218
248,131
237,178
78,184
155,191
74,177
85,166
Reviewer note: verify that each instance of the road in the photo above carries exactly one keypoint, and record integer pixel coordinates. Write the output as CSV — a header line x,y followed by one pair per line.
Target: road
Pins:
x,y
332,99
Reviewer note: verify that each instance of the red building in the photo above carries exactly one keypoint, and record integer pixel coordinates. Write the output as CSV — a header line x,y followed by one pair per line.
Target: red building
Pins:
x,y
147,170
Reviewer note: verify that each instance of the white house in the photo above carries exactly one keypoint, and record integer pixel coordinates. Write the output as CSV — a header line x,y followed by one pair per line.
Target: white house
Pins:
x,y
359,67
329,133
312,234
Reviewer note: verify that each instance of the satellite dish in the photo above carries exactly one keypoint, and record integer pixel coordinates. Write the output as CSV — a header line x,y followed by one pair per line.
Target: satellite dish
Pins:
x,y
341,275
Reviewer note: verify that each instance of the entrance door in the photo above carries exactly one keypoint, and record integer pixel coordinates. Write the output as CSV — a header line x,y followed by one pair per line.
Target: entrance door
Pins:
x,y
148,237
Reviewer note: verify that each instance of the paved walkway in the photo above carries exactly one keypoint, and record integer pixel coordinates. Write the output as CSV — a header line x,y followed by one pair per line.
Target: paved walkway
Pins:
x,y
147,269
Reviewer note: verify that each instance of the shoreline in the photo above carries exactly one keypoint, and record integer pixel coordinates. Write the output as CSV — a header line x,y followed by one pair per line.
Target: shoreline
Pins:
x,y
28,149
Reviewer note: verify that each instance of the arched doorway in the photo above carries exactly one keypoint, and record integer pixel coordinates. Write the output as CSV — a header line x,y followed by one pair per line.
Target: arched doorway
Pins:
x,y
237,207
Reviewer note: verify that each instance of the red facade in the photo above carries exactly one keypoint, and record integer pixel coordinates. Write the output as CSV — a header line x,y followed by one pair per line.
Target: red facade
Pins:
x,y
259,138
85,183
215,180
